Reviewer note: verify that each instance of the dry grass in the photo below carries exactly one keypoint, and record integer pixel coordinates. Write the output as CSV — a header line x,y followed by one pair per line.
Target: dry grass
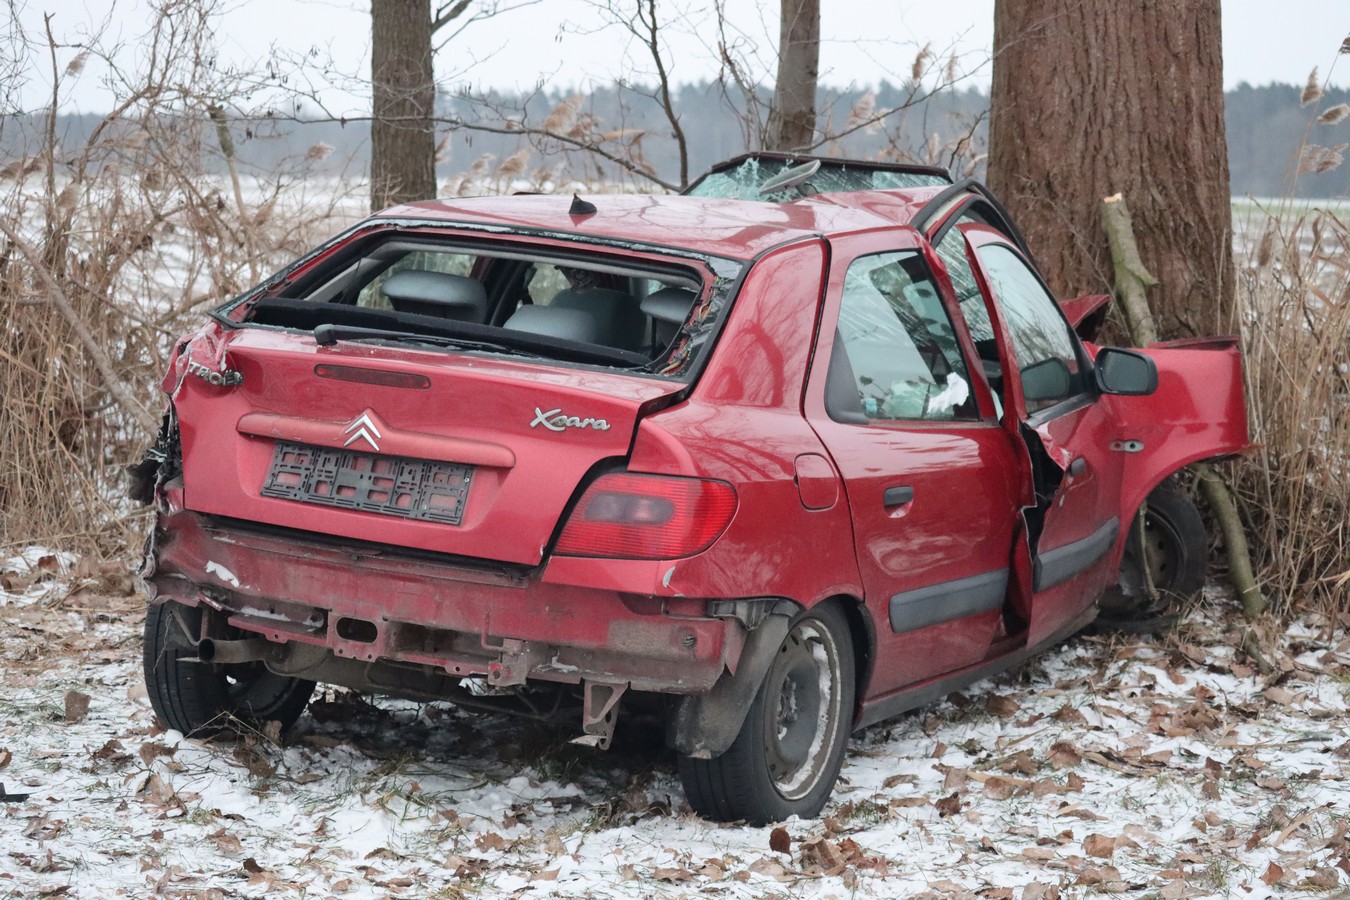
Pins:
x,y
109,251
1294,299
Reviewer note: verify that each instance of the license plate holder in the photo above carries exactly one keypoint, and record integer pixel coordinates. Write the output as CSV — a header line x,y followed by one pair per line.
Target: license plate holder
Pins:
x,y
422,489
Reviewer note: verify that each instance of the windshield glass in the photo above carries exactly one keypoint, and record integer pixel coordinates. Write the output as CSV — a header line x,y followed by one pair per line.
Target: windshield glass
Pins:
x,y
742,181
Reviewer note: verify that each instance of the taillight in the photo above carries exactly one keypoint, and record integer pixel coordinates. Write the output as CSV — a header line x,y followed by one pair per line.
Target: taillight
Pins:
x,y
627,516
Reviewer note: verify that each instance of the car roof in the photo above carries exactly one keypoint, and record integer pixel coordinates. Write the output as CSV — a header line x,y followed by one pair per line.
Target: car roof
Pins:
x,y
737,229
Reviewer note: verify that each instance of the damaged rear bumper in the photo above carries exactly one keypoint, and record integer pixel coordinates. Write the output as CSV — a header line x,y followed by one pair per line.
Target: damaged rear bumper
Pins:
x,y
363,604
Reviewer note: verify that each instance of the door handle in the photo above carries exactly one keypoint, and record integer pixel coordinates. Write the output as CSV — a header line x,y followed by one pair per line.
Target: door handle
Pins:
x,y
897,496
1078,467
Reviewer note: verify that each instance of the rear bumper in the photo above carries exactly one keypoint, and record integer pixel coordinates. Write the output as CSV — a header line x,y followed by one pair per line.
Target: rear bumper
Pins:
x,y
368,604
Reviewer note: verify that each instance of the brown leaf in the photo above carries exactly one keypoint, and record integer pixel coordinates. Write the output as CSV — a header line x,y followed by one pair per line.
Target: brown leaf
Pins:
x,y
250,865
824,855
49,563
1039,891
1272,874
5,757
779,842
949,806
1099,845
1021,763
955,779
77,707
1279,695
770,868
490,840
1038,854
997,788
546,875
1001,706
893,780
1063,755
226,843
1074,783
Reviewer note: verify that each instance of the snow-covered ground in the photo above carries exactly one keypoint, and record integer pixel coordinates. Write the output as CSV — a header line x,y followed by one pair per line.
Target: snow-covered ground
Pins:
x,y
1117,766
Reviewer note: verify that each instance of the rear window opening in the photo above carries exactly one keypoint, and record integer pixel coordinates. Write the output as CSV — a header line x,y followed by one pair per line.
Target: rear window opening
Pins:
x,y
638,312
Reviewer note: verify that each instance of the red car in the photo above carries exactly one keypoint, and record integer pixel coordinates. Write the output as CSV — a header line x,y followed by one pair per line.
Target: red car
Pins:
x,y
785,466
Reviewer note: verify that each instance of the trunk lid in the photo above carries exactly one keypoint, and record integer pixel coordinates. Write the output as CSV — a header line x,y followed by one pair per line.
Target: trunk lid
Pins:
x,y
453,453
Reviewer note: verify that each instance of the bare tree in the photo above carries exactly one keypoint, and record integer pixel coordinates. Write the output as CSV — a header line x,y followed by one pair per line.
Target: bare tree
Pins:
x,y
403,103
792,118
1092,99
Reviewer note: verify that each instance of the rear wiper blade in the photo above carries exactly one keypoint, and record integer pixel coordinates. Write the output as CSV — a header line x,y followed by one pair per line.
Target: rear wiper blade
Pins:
x,y
329,334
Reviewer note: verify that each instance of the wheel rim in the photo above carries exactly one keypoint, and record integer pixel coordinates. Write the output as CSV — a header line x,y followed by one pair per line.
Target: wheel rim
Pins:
x,y
1164,552
802,709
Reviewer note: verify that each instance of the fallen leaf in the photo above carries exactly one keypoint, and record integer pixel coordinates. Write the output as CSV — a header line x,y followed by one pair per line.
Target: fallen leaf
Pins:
x,y
1279,695
770,868
1099,845
998,788
1038,891
250,865
1272,874
949,806
824,855
490,840
1001,706
1069,715
5,757
77,707
955,779
1064,755
225,842
779,842
546,875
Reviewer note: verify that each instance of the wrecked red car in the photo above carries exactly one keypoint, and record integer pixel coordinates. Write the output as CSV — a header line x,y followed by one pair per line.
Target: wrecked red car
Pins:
x,y
780,467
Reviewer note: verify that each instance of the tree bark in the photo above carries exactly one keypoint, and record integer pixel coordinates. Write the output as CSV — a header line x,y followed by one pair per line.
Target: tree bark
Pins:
x,y
402,138
792,118
1093,99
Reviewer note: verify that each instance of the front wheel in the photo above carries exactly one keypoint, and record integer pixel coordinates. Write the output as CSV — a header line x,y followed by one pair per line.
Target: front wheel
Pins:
x,y
200,698
786,759
1171,551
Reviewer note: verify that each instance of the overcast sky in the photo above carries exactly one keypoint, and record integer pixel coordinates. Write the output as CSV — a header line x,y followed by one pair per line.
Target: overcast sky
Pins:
x,y
558,41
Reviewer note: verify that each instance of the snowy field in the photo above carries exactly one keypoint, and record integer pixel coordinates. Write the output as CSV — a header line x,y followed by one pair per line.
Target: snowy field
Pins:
x,y
1122,767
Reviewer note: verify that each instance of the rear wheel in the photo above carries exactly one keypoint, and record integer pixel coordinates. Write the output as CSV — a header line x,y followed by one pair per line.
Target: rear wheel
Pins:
x,y
202,698
1172,550
787,757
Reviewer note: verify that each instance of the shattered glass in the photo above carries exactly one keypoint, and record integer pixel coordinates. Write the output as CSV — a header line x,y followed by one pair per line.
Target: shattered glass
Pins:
x,y
742,181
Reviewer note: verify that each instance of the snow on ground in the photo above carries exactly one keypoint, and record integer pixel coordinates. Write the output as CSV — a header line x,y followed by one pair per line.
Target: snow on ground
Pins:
x,y
1121,766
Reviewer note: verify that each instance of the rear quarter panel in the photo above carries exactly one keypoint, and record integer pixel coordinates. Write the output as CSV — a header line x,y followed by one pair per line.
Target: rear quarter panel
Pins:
x,y
743,424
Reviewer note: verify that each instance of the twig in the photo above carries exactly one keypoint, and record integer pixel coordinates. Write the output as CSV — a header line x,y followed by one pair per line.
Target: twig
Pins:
x,y
102,362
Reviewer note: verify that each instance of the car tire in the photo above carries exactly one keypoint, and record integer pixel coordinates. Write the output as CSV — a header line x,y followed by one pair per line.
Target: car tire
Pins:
x,y
202,699
1177,548
786,759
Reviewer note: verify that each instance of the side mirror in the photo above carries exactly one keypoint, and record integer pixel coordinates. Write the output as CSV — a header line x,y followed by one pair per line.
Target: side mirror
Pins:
x,y
1048,379
1126,372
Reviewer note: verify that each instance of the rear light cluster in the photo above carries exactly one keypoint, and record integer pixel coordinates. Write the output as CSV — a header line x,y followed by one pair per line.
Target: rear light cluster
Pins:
x,y
627,516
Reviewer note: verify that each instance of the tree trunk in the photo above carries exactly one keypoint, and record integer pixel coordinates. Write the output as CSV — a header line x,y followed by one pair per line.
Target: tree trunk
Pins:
x,y
792,118
1093,99
402,140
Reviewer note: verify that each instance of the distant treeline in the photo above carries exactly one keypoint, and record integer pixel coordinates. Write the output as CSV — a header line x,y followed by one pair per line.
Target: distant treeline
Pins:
x,y
1266,128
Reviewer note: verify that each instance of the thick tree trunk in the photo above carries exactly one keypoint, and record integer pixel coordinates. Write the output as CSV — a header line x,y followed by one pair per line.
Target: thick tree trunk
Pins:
x,y
792,118
402,142
1092,99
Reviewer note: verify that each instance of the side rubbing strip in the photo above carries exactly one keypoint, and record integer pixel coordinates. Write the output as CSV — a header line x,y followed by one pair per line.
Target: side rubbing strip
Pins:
x,y
939,603
1062,563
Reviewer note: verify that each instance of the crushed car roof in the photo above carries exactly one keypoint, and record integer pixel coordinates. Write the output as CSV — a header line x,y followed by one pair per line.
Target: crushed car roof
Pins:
x,y
739,229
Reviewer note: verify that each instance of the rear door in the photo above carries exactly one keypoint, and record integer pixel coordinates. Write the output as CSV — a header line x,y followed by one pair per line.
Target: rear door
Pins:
x,y
931,477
